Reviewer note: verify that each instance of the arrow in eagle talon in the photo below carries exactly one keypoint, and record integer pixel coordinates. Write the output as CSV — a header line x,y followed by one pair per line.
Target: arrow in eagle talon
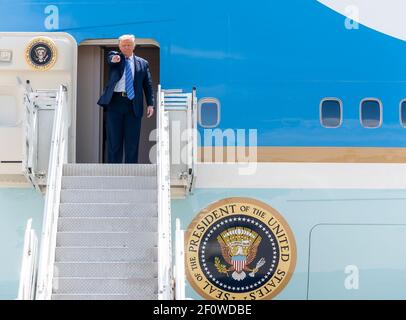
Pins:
x,y
260,263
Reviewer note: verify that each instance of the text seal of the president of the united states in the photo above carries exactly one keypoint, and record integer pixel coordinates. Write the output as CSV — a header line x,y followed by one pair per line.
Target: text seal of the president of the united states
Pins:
x,y
239,248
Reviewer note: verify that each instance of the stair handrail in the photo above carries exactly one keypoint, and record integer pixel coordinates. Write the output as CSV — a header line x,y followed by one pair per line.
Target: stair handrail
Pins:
x,y
179,271
192,145
165,277
58,156
28,274
31,124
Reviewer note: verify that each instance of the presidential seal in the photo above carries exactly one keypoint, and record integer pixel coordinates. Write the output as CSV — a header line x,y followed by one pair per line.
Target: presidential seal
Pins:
x,y
239,249
41,53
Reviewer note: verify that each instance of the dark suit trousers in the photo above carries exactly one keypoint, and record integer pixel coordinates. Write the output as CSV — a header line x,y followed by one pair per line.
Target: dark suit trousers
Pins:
x,y
123,129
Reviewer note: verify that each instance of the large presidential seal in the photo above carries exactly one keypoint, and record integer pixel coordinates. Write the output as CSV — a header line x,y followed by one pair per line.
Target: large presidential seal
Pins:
x,y
239,248
41,53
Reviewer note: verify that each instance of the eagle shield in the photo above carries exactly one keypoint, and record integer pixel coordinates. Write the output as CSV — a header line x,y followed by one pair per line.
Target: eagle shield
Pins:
x,y
239,248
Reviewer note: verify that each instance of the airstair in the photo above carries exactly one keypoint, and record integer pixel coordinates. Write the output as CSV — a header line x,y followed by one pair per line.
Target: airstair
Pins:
x,y
107,227
107,238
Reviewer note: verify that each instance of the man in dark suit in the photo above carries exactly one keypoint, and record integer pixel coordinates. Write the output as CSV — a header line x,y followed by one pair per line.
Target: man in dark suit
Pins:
x,y
123,97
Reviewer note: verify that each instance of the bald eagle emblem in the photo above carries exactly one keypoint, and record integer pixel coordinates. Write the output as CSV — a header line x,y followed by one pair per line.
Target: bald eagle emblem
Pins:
x,y
41,53
239,248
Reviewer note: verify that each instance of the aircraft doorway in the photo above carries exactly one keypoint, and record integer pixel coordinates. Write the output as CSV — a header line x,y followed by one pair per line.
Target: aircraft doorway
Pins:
x,y
91,138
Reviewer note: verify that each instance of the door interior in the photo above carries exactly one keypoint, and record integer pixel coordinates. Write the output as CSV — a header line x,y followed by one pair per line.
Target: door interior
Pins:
x,y
93,73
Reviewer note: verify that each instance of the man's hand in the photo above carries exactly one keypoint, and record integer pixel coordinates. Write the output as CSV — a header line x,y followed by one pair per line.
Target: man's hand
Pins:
x,y
116,58
150,111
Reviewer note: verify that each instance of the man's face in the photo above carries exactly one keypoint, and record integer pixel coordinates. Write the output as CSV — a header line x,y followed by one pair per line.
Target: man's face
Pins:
x,y
126,47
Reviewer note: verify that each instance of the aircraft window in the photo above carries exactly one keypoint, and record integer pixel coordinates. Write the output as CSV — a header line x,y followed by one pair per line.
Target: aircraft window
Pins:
x,y
209,112
403,113
331,112
371,113
8,111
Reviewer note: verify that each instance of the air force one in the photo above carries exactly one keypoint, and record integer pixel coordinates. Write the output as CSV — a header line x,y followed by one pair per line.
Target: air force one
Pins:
x,y
274,168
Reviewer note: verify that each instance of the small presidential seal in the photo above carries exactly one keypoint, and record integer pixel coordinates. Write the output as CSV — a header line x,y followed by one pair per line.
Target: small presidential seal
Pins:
x,y
41,53
239,249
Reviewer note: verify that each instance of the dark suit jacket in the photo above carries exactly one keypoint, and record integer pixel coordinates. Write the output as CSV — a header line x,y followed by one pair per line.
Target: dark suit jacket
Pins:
x,y
142,80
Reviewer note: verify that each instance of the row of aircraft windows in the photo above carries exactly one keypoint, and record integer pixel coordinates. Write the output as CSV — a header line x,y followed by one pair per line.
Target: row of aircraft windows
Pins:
x,y
331,113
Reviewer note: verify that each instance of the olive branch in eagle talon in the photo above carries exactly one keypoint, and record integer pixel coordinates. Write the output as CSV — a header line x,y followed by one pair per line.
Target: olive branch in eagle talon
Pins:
x,y
221,268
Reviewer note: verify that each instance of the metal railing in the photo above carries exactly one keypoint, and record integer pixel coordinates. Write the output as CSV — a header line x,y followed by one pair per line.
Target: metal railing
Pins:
x,y
179,271
183,118
58,156
28,274
165,280
193,141
36,102
31,129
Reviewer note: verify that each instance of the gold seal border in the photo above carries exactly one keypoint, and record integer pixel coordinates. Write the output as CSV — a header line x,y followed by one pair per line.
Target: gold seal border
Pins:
x,y
248,201
51,45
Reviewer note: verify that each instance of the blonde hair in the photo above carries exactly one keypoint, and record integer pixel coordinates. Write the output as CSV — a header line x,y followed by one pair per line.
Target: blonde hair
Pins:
x,y
127,37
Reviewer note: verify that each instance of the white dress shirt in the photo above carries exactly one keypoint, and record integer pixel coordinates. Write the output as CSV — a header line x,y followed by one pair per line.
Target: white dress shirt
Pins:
x,y
120,86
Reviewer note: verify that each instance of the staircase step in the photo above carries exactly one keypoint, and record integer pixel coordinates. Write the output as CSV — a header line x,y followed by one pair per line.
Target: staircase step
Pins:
x,y
107,196
86,169
83,254
108,210
107,233
104,286
109,182
136,296
141,270
108,224
107,239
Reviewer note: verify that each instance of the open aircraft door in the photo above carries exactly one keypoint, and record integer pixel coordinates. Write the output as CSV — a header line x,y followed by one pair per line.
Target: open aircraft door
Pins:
x,y
33,66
